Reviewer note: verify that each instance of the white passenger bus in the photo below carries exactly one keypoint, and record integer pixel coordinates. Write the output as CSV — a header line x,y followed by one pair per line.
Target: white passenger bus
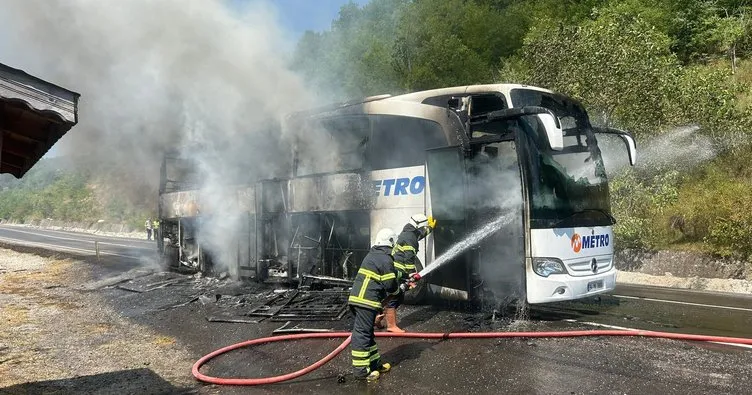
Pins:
x,y
467,156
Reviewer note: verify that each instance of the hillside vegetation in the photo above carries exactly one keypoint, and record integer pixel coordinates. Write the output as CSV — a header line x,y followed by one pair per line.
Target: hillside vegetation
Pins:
x,y
675,73
57,189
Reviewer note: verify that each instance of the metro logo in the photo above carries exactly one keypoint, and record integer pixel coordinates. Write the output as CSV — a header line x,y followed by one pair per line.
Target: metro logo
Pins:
x,y
593,241
399,186
576,243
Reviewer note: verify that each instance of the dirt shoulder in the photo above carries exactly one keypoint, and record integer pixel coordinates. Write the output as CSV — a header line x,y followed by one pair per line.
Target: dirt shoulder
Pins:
x,y
52,331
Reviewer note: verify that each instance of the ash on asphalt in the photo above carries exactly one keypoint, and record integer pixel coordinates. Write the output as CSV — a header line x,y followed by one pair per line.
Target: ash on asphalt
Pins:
x,y
583,365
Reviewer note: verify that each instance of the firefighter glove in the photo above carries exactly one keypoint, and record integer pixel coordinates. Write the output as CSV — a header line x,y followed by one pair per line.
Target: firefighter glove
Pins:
x,y
431,222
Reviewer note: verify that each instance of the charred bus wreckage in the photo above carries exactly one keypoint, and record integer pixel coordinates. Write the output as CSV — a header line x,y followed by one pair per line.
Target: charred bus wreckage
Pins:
x,y
468,156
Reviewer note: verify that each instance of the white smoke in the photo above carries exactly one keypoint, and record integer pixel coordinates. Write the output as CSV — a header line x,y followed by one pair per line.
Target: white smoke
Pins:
x,y
156,74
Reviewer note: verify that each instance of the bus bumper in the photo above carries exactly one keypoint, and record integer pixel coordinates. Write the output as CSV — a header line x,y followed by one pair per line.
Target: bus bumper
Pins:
x,y
560,287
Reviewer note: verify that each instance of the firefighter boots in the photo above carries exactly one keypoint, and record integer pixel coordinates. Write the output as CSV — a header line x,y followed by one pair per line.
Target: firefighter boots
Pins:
x,y
391,320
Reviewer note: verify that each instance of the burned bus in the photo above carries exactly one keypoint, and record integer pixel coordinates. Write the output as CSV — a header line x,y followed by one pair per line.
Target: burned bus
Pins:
x,y
524,158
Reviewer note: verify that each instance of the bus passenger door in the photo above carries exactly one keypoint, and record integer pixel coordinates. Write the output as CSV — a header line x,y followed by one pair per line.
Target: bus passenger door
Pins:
x,y
495,213
446,180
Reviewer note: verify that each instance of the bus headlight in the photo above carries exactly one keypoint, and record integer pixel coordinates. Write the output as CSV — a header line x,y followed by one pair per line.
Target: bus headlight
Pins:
x,y
545,267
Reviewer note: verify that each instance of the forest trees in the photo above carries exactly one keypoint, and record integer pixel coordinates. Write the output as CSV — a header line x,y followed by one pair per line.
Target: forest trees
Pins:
x,y
652,67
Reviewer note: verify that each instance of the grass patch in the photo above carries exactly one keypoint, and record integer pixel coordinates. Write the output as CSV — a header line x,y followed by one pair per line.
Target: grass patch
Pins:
x,y
164,341
14,315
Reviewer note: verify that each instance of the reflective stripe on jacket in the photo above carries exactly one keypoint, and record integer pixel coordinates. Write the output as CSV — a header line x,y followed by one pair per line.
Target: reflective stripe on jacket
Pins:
x,y
405,251
375,279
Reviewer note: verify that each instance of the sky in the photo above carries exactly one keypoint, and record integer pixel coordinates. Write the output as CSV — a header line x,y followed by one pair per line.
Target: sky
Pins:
x,y
297,16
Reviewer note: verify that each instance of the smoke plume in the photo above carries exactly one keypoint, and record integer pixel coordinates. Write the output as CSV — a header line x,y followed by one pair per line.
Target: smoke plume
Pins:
x,y
156,74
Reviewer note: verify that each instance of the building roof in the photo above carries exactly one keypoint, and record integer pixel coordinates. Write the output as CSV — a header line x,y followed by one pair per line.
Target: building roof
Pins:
x,y
34,115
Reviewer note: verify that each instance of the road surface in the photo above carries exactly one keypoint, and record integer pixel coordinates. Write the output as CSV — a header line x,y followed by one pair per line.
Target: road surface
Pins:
x,y
85,244
630,306
545,366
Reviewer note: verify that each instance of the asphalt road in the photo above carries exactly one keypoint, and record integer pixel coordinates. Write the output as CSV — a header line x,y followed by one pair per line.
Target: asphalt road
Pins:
x,y
84,244
518,366
629,306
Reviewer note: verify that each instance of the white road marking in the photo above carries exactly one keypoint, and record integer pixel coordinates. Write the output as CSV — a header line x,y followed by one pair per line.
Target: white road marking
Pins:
x,y
643,330
61,248
88,240
71,233
683,303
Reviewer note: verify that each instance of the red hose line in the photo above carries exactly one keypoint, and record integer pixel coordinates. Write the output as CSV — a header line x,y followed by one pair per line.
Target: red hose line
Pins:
x,y
418,335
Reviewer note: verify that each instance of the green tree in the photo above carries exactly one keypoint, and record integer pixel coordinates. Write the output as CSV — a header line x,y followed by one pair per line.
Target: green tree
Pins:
x,y
618,65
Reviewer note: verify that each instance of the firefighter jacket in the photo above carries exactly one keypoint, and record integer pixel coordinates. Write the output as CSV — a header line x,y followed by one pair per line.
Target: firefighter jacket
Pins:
x,y
405,251
375,280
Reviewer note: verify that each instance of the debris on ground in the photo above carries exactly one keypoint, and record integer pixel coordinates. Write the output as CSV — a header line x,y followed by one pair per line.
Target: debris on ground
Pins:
x,y
176,305
234,320
120,278
204,299
230,301
153,282
296,329
328,305
278,305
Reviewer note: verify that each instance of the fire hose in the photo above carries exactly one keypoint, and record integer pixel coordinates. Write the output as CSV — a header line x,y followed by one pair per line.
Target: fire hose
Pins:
x,y
426,336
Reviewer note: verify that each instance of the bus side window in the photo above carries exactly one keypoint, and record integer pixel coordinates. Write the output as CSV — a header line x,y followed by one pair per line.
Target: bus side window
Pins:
x,y
398,141
351,138
333,145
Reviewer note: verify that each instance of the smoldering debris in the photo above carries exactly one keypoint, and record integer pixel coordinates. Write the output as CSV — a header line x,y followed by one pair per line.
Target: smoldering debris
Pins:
x,y
233,320
112,281
290,305
328,305
284,329
147,284
229,301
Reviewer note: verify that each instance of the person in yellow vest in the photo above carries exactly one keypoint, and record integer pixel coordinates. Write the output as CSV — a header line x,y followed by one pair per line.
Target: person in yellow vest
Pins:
x,y
155,228
148,228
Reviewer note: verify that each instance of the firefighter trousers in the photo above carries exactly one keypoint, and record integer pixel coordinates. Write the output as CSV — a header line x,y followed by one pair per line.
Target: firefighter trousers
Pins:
x,y
364,351
396,301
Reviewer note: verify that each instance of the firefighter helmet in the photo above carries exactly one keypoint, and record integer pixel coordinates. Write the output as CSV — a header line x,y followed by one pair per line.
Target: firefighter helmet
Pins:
x,y
419,221
385,237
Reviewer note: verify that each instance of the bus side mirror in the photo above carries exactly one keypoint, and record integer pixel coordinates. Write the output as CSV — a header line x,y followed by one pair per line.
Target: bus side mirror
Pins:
x,y
611,146
631,147
553,131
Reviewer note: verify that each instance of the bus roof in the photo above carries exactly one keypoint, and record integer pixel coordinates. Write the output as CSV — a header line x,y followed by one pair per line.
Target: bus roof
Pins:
x,y
414,97
463,90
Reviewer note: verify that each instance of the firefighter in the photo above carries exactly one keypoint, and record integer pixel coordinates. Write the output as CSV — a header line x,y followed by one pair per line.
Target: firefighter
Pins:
x,y
375,281
155,229
405,255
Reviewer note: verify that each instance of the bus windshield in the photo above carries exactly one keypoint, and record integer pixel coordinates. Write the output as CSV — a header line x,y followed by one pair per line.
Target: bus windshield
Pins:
x,y
567,187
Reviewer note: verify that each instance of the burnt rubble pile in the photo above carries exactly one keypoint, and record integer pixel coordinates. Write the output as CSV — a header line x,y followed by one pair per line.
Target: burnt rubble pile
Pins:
x,y
279,305
226,300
